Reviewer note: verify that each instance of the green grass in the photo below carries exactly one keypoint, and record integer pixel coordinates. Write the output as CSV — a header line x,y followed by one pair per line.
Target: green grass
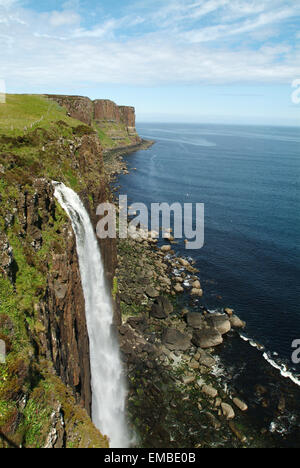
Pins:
x,y
30,111
106,132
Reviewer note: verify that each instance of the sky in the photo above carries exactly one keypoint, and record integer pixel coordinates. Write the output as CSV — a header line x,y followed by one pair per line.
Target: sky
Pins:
x,y
218,61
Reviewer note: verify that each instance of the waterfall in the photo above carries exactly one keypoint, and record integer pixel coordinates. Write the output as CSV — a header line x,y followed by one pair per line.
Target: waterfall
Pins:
x,y
108,385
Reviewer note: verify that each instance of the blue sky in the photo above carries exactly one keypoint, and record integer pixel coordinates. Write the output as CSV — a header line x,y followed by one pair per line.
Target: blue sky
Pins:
x,y
229,61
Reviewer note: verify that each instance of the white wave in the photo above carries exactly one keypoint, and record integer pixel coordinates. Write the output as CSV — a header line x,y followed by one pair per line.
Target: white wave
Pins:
x,y
283,370
252,343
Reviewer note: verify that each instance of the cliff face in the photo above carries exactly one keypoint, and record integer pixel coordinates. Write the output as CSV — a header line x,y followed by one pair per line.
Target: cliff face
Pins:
x,y
108,110
80,108
116,123
45,393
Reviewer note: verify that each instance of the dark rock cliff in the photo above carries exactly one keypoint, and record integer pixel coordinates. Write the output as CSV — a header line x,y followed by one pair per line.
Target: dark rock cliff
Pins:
x,y
101,112
79,107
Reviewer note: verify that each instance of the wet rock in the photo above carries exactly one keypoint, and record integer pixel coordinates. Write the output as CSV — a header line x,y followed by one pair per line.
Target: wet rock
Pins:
x,y
228,311
218,402
236,322
209,391
241,405
227,411
178,288
197,292
188,379
206,360
178,279
196,285
194,364
184,262
207,338
194,320
175,340
219,322
162,308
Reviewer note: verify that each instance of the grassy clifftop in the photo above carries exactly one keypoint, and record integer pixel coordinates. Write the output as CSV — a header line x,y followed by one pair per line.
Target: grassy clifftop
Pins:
x,y
37,139
21,112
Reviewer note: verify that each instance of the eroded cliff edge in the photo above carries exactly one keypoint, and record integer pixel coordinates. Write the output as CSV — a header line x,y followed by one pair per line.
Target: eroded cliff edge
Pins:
x,y
114,124
45,394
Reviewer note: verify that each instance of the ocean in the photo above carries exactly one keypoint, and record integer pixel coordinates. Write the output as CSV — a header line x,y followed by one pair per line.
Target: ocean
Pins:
x,y
248,178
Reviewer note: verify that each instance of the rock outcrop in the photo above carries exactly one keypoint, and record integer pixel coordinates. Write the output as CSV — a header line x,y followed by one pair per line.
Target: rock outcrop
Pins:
x,y
101,111
79,107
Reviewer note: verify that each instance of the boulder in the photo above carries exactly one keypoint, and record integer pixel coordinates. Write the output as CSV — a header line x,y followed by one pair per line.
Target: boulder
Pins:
x,y
218,402
220,322
209,391
194,364
178,279
241,405
194,320
196,285
166,248
227,411
178,288
161,308
184,262
151,292
228,311
175,340
197,292
206,360
236,322
207,338
188,379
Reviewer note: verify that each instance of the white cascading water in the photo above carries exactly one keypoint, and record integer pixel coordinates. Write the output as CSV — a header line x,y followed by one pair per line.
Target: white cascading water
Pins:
x,y
108,385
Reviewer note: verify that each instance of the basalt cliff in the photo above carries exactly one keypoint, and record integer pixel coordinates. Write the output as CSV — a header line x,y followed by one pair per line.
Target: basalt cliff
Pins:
x,y
114,124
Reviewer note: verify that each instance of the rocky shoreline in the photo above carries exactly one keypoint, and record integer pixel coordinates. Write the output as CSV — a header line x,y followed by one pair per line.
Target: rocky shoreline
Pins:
x,y
169,345
113,158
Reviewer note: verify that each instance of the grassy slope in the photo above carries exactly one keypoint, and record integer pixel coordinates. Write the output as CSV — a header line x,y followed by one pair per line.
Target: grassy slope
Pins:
x,y
30,127
105,132
35,137
29,112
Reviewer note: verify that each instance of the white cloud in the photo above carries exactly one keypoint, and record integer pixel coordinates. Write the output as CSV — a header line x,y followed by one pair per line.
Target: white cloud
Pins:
x,y
58,48
213,33
7,3
63,18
